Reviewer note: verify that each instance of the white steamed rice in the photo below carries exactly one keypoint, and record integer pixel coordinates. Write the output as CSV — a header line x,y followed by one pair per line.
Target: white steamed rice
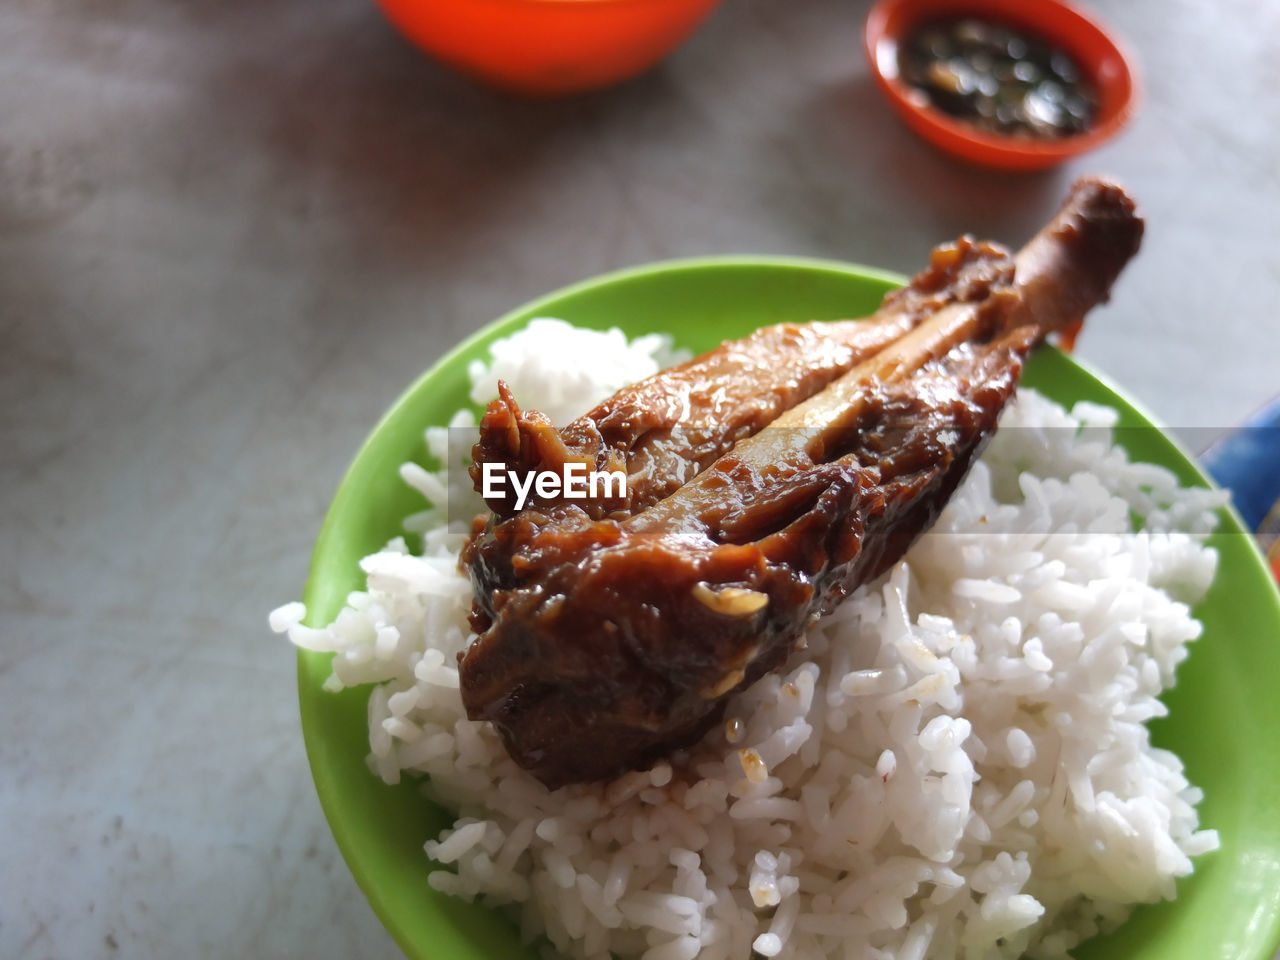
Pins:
x,y
957,766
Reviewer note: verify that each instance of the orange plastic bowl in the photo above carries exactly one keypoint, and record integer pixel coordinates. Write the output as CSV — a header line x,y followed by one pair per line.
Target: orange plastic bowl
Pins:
x,y
1100,56
547,47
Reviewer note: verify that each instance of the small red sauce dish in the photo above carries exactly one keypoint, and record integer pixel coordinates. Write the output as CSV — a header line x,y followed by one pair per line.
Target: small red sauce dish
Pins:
x,y
547,47
1102,61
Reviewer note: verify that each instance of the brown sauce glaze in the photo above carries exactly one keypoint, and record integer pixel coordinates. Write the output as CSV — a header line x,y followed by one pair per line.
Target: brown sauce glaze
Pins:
x,y
666,429
608,642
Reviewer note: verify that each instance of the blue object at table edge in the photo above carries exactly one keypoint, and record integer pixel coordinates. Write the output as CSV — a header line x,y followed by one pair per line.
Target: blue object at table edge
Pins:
x,y
1247,462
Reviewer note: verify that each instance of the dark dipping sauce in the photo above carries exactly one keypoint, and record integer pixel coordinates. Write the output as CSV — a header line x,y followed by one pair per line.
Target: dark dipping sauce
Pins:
x,y
998,79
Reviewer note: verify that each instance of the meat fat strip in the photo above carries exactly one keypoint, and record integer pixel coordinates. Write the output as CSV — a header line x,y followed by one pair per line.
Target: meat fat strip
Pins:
x,y
667,428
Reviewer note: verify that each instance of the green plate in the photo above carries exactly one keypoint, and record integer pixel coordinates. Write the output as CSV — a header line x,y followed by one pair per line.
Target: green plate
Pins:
x,y
1225,710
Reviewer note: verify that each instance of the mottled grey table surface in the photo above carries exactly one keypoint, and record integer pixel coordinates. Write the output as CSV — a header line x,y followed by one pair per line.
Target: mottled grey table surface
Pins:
x,y
231,232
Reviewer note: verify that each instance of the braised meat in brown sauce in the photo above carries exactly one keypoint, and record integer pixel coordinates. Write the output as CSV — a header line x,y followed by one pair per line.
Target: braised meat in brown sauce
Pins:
x,y
666,429
611,634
